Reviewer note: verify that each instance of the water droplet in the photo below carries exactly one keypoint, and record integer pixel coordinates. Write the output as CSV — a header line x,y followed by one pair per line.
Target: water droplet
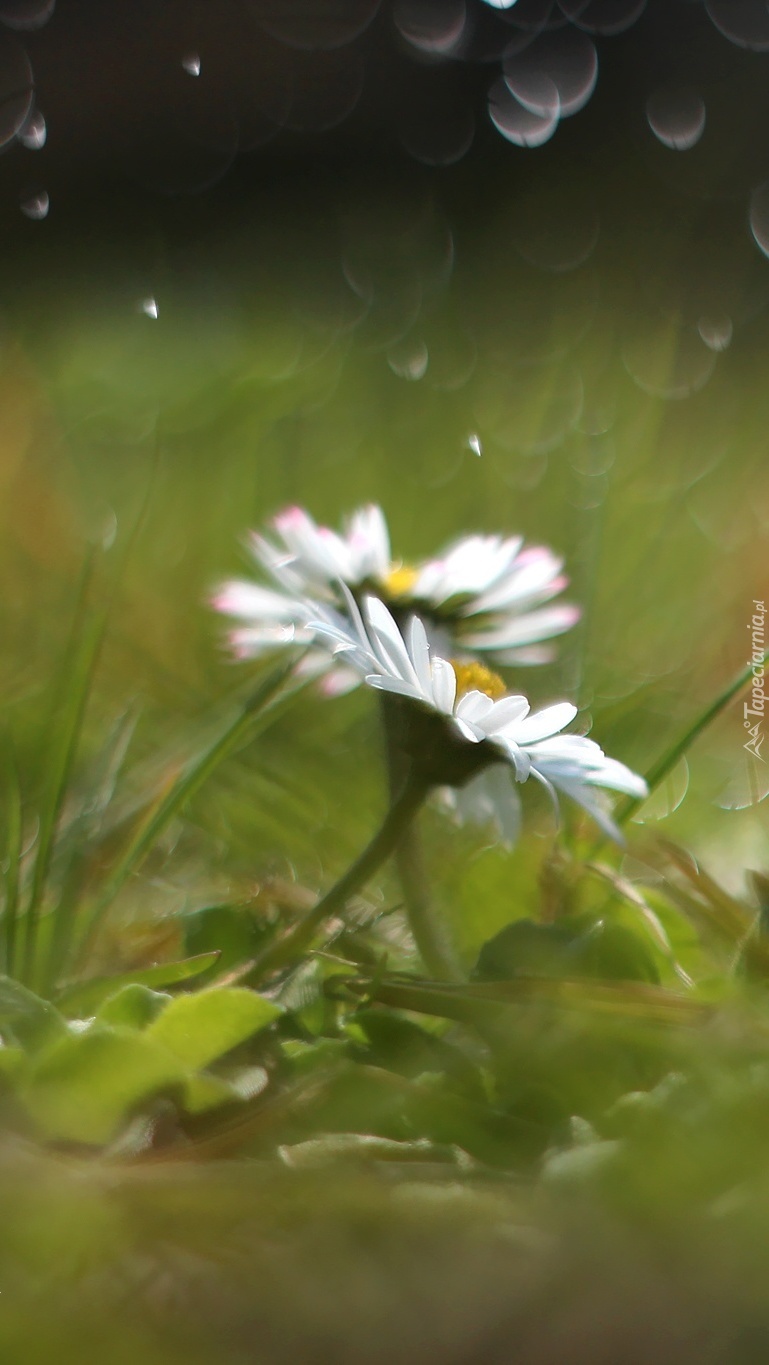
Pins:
x,y
500,4
532,88
26,14
514,121
568,59
408,359
34,133
148,306
474,443
102,527
34,203
556,228
191,63
668,360
716,332
488,35
676,116
327,87
744,22
600,408
759,216
603,16
438,132
748,785
434,26
667,797
590,492
592,457
452,353
314,27
531,408
534,16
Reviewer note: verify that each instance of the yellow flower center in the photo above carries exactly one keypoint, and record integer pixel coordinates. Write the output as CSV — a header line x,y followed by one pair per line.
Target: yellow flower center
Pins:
x,y
400,580
474,677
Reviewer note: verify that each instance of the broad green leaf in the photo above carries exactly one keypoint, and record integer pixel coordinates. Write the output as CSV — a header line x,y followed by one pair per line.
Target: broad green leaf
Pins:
x,y
574,946
232,929
305,1058
208,1092
199,1027
133,1006
30,1020
83,1087
87,996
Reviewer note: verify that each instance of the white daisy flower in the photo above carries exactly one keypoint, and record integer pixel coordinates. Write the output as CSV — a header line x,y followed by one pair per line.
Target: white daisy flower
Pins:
x,y
480,724
485,594
493,590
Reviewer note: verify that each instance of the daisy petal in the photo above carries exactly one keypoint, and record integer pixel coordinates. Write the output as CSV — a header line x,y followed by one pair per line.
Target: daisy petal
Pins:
x,y
546,722
444,688
506,711
383,682
475,706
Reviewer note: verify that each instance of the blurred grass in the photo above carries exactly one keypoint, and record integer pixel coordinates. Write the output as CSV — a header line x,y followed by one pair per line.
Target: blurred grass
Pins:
x,y
273,386
230,405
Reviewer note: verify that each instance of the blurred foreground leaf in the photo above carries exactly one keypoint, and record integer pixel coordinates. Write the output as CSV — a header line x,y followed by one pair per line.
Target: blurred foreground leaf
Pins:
x,y
81,1089
198,1028
133,1006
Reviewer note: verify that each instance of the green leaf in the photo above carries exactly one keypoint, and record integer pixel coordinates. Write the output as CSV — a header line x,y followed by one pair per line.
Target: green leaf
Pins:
x,y
304,1058
572,947
208,1092
200,1027
30,1020
232,929
87,996
82,1088
133,1006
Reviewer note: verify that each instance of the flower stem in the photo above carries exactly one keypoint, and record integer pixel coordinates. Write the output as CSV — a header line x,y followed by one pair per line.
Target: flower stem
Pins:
x,y
432,944
398,818
667,761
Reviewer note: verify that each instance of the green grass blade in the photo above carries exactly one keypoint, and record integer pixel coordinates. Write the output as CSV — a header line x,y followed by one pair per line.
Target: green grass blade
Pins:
x,y
667,761
78,850
479,1003
171,802
77,670
13,860
86,996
